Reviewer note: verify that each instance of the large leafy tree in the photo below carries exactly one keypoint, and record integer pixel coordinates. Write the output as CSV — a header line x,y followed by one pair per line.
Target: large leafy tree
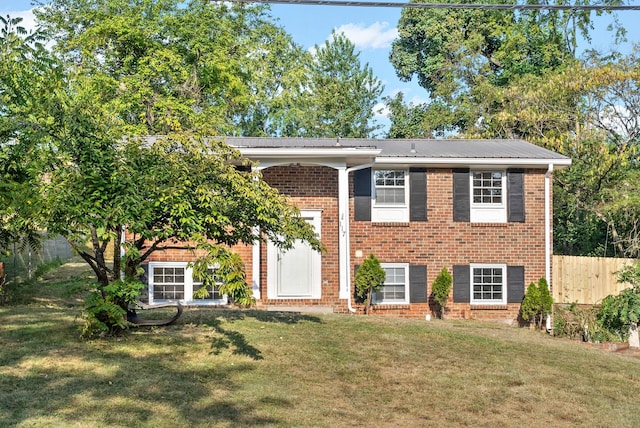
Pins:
x,y
24,74
460,56
342,92
84,122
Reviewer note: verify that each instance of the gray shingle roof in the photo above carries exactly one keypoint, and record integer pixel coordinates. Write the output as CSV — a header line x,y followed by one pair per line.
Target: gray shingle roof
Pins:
x,y
411,148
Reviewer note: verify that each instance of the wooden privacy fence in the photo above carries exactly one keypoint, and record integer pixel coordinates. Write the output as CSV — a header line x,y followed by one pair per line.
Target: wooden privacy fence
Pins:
x,y
586,280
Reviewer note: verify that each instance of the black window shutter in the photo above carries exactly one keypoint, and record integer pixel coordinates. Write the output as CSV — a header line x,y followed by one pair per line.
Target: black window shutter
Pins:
x,y
362,194
461,204
417,284
417,194
461,283
356,298
515,284
515,195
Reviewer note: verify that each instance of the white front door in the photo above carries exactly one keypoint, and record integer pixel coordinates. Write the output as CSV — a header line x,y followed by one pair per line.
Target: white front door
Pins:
x,y
295,273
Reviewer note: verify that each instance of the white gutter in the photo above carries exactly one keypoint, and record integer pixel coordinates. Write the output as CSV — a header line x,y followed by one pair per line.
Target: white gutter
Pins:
x,y
457,162
346,231
547,232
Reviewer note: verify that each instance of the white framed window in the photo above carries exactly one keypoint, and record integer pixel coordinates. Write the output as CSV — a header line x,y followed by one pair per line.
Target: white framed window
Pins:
x,y
213,290
175,281
488,196
396,285
488,284
390,190
168,282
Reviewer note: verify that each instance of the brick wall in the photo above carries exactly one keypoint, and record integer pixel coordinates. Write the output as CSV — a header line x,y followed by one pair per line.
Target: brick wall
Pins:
x,y
436,243
440,242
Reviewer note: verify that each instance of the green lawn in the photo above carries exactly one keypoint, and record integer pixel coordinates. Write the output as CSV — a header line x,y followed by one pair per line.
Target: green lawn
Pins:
x,y
250,368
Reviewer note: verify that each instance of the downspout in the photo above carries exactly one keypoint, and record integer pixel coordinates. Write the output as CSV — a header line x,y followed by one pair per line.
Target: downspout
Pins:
x,y
547,232
346,231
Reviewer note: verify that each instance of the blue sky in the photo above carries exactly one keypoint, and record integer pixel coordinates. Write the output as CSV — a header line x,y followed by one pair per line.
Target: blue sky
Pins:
x,y
372,31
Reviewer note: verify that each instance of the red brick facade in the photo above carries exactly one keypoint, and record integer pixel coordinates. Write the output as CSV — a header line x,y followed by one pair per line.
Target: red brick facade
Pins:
x,y
435,243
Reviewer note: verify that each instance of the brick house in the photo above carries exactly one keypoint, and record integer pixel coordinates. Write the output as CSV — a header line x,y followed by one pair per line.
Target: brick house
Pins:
x,y
480,208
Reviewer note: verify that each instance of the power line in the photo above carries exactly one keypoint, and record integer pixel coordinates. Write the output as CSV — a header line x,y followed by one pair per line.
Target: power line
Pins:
x,y
359,3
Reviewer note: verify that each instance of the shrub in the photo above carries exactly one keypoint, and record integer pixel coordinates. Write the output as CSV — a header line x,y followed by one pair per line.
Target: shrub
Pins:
x,y
369,278
441,288
105,311
537,303
619,313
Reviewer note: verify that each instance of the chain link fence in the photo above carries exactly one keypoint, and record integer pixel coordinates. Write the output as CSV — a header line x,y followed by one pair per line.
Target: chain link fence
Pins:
x,y
22,263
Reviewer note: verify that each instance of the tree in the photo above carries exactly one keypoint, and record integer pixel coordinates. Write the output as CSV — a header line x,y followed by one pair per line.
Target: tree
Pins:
x,y
460,55
369,278
98,173
25,70
342,93
441,288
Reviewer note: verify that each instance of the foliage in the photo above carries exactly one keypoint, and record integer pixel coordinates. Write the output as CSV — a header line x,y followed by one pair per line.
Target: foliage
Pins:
x,y
441,288
619,313
342,92
105,311
580,323
370,277
462,56
25,69
537,302
143,69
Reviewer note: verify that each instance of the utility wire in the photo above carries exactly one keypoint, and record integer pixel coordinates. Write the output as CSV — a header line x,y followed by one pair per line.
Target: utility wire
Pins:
x,y
359,3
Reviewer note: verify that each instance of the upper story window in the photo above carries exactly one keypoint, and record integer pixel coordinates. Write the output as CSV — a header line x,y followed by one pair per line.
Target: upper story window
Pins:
x,y
487,188
390,188
488,284
396,285
390,195
488,196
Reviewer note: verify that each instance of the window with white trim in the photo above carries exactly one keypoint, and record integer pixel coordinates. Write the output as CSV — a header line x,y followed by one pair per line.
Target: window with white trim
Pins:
x,y
488,196
175,281
390,195
168,283
488,284
396,284
213,290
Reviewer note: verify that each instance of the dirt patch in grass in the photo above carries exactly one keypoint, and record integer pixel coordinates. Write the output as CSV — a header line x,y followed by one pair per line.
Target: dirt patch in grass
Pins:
x,y
221,367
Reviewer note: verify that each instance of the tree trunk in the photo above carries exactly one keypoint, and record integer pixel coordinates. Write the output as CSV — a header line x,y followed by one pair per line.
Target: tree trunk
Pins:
x,y
367,307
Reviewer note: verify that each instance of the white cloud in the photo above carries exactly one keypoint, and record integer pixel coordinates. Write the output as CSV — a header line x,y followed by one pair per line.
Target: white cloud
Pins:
x,y
375,36
380,111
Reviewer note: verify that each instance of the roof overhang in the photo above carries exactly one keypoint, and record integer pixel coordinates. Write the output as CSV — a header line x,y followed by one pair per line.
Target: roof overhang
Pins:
x,y
473,162
323,156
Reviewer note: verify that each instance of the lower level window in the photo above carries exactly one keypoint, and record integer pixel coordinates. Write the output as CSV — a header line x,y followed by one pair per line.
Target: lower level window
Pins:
x,y
175,281
213,290
168,283
488,284
396,284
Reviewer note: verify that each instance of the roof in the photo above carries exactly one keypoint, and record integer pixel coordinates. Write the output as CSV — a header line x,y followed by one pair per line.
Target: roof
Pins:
x,y
408,151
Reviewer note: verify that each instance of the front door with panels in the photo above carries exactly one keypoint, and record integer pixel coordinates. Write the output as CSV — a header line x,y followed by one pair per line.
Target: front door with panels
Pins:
x,y
295,273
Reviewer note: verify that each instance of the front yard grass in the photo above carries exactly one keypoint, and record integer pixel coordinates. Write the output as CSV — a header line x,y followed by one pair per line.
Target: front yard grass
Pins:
x,y
222,367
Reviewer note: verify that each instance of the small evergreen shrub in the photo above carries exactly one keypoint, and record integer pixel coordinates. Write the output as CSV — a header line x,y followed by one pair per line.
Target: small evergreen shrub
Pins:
x,y
369,278
441,288
537,303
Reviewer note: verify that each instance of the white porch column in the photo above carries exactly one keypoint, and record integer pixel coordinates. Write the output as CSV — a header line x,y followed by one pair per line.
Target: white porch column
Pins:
x,y
343,238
